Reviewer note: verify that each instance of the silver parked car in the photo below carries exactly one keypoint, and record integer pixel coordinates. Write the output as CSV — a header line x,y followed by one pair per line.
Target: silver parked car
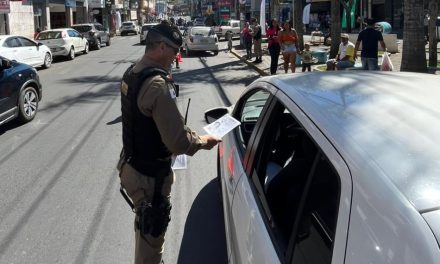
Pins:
x,y
333,167
144,31
128,27
200,39
25,50
64,42
95,34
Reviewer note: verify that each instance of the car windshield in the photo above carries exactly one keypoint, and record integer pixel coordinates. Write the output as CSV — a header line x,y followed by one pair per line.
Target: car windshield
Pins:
x,y
84,28
127,24
202,32
147,27
49,35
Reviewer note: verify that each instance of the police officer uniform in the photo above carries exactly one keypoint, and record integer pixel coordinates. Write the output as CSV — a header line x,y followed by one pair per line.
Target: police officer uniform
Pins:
x,y
153,131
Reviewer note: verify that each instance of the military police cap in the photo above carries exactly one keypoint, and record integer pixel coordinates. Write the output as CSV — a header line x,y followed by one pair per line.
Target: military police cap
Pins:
x,y
172,35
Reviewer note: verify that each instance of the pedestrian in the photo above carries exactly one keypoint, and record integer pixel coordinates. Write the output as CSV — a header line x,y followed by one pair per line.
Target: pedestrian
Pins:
x,y
247,40
37,32
256,33
273,45
369,38
153,131
288,39
345,57
307,58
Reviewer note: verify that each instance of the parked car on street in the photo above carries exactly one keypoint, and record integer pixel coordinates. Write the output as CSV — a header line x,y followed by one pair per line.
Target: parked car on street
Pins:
x,y
333,167
95,34
144,31
25,50
200,39
64,42
128,27
20,91
230,27
199,21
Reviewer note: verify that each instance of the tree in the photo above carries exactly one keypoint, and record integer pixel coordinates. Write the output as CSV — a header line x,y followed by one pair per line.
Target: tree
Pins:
x,y
335,28
413,52
298,23
433,8
348,4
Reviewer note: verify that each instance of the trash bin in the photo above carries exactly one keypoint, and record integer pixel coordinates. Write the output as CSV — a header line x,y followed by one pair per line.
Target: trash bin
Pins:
x,y
384,27
320,55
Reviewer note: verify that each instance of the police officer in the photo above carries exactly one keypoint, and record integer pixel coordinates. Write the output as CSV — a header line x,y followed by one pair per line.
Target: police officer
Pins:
x,y
153,131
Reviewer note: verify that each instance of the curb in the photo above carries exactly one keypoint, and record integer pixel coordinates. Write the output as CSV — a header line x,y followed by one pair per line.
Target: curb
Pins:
x,y
260,71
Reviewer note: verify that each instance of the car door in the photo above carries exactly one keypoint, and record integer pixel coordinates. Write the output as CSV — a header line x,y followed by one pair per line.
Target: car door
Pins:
x,y
30,52
76,40
8,91
293,203
233,153
11,49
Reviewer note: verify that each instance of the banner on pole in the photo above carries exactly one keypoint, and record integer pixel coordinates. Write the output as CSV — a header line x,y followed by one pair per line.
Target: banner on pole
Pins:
x,y
263,17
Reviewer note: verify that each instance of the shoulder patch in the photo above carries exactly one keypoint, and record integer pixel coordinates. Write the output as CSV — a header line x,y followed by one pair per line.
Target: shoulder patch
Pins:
x,y
124,88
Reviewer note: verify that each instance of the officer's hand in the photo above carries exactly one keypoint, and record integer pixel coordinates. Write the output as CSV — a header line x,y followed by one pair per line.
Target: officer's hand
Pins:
x,y
209,141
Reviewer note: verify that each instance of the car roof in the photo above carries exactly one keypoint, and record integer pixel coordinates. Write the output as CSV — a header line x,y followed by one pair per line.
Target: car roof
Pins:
x,y
386,125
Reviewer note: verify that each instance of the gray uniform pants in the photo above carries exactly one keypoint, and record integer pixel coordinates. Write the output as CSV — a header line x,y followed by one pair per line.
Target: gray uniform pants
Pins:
x,y
141,188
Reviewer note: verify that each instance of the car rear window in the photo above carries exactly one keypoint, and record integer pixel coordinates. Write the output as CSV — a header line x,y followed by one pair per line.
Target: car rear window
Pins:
x,y
202,32
127,24
49,35
84,28
147,27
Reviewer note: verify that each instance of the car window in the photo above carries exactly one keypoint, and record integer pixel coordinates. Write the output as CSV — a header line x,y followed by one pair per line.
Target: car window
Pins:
x,y
147,27
49,35
26,42
299,188
127,24
73,33
82,28
249,111
203,32
12,43
235,25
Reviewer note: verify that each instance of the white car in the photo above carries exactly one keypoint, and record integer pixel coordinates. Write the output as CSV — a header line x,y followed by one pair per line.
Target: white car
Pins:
x,y
128,27
25,50
333,167
200,39
64,42
144,31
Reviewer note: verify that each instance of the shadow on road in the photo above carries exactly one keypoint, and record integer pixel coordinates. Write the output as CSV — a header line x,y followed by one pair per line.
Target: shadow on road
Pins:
x,y
204,235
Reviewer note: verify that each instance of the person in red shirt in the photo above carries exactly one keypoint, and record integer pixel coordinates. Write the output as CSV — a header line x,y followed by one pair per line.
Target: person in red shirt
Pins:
x,y
273,45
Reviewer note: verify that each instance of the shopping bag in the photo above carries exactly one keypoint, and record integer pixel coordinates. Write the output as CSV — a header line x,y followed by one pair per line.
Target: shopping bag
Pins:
x,y
386,65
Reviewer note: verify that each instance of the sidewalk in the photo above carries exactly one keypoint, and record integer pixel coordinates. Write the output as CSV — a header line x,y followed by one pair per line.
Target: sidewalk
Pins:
x,y
263,68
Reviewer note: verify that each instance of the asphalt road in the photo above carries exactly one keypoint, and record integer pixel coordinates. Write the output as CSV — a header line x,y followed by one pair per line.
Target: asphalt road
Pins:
x,y
59,197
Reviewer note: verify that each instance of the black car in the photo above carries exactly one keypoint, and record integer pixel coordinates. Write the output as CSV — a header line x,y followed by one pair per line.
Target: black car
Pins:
x,y
95,33
20,91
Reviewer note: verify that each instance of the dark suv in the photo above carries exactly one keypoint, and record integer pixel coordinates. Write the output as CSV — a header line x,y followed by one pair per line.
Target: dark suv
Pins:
x,y
20,91
95,33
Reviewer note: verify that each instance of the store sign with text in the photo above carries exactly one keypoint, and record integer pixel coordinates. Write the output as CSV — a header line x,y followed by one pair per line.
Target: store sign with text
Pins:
x,y
96,3
4,7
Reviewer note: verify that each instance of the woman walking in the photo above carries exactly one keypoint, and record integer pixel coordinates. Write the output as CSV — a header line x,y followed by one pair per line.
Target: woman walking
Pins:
x,y
273,45
247,39
288,39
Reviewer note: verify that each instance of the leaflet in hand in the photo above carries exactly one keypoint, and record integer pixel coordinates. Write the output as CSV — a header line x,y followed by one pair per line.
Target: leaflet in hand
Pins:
x,y
179,162
222,126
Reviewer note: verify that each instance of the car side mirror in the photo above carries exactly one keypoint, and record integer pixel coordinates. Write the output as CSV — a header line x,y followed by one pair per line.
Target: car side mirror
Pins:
x,y
39,44
5,64
215,113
